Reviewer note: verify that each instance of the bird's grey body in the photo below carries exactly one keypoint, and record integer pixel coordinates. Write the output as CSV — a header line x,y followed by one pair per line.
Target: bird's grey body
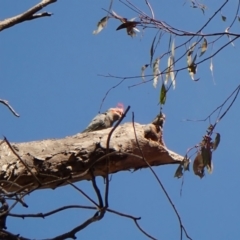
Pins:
x,y
104,120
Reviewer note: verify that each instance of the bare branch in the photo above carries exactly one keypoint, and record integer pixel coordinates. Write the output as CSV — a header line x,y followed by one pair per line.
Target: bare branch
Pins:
x,y
9,106
149,5
30,14
43,215
107,151
149,236
71,234
161,185
135,219
100,201
108,92
84,194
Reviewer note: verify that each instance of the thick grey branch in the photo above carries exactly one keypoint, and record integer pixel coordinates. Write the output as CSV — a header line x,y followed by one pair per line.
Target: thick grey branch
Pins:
x,y
57,162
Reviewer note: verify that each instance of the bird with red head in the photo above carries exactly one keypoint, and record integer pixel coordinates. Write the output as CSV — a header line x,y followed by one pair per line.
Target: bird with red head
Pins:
x,y
106,119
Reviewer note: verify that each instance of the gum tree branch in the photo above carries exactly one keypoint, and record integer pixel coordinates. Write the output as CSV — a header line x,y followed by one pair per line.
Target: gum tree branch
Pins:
x,y
57,162
9,107
30,14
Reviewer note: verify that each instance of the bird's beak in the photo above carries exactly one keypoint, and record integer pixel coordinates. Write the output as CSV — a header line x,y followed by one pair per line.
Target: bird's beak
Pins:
x,y
118,111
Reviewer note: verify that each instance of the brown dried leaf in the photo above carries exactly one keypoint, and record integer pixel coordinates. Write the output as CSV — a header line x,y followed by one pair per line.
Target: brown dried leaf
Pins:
x,y
129,25
210,168
206,155
198,166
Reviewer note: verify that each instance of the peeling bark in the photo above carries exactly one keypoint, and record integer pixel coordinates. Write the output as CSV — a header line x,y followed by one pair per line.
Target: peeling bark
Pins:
x,y
55,162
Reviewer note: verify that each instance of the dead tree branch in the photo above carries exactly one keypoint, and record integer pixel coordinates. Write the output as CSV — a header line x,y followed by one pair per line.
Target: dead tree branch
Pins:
x,y
58,162
30,14
9,106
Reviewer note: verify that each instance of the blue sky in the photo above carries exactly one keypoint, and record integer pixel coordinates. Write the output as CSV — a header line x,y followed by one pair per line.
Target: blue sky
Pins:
x,y
50,71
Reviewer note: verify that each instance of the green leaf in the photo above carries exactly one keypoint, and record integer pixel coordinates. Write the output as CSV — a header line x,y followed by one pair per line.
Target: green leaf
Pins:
x,y
163,94
216,141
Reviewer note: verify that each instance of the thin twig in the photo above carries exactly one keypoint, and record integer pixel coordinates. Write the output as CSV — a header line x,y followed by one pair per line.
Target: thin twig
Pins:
x,y
147,2
100,201
71,234
107,151
135,219
123,214
161,185
108,91
83,193
236,92
10,107
43,215
38,15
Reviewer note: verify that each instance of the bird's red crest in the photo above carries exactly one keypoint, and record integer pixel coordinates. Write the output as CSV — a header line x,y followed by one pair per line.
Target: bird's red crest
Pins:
x,y
120,105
